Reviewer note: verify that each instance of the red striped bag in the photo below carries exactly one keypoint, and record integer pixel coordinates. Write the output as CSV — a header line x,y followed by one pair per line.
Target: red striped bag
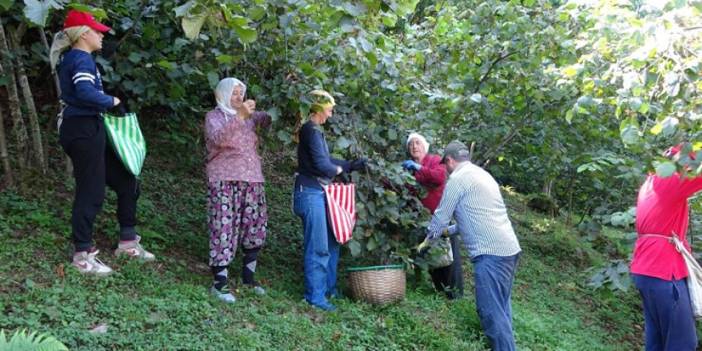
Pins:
x,y
341,209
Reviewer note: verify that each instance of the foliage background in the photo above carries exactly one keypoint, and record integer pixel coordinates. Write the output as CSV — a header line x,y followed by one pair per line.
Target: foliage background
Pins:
x,y
568,102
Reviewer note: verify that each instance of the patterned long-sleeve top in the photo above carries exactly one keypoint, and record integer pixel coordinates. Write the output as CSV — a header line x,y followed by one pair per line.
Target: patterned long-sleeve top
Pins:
x,y
232,146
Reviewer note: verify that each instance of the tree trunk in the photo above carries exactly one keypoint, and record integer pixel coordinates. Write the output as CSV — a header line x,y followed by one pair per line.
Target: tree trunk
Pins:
x,y
37,143
20,130
52,122
44,41
9,180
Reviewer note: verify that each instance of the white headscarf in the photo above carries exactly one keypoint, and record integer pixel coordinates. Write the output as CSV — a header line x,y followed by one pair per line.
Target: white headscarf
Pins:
x,y
223,94
421,140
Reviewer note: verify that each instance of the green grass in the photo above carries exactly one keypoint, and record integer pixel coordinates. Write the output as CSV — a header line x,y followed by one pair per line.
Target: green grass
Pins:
x,y
166,306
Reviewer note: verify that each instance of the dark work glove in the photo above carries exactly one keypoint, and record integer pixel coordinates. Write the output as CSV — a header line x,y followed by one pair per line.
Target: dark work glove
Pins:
x,y
359,164
119,110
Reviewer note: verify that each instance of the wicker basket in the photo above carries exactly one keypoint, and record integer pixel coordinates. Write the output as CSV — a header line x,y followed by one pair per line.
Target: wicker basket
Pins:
x,y
378,284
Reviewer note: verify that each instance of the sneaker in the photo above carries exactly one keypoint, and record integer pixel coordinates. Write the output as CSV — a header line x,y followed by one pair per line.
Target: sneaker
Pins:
x,y
257,289
223,295
88,263
134,250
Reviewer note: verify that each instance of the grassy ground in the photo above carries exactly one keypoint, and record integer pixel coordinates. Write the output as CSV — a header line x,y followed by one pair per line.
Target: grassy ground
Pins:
x,y
166,306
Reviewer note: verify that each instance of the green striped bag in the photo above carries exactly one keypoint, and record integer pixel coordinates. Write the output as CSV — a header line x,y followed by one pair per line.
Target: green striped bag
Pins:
x,y
126,139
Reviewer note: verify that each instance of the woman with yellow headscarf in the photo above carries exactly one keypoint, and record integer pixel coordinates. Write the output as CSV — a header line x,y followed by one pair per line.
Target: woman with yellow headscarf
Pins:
x,y
316,168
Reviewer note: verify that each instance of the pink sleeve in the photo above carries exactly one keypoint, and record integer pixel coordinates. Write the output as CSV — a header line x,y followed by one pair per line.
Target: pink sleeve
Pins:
x,y
432,173
674,188
689,186
262,119
217,130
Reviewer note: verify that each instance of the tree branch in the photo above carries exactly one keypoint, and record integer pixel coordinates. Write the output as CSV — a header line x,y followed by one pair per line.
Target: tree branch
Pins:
x,y
492,66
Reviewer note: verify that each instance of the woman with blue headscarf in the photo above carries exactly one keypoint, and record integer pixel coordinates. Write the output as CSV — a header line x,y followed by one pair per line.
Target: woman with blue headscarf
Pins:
x,y
236,206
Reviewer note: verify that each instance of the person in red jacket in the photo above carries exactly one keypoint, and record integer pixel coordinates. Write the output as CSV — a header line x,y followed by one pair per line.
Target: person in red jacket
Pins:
x,y
431,174
657,269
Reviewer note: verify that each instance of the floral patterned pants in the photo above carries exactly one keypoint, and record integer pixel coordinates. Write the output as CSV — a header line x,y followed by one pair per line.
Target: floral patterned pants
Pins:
x,y
236,212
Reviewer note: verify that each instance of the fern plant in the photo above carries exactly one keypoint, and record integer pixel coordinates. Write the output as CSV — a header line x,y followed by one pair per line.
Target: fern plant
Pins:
x,y
34,341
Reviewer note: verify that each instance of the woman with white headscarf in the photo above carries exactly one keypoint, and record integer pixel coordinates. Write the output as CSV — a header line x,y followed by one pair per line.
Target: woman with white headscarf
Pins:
x,y
430,173
236,206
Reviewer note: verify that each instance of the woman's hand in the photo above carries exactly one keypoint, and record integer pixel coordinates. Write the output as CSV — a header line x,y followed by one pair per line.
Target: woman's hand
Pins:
x,y
410,165
247,108
359,164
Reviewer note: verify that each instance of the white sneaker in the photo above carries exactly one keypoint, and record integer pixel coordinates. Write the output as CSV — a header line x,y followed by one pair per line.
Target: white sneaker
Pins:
x,y
134,250
223,295
88,263
258,290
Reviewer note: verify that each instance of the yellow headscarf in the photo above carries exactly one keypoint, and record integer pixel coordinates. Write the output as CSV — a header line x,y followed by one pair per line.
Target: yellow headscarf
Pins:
x,y
321,100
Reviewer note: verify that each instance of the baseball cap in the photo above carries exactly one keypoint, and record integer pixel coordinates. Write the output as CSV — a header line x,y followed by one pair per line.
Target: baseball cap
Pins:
x,y
455,149
76,18
675,150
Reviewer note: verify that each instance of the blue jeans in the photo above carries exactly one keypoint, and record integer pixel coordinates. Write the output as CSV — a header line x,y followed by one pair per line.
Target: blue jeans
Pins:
x,y
669,323
321,256
494,276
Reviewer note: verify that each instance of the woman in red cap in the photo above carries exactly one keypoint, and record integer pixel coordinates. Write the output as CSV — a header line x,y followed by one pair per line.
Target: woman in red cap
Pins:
x,y
82,136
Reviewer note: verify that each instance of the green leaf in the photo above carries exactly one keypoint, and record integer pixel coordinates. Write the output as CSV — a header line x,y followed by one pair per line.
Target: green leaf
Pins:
x,y
403,7
389,19
355,247
644,107
569,116
37,11
275,113
246,34
284,136
182,10
371,244
134,57
657,129
239,21
192,25
354,10
166,64
672,84
213,78
6,4
342,143
669,125
629,132
224,59
257,13
570,71
665,169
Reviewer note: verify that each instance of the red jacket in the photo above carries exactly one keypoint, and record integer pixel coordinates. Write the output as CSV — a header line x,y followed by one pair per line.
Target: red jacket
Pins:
x,y
662,209
432,176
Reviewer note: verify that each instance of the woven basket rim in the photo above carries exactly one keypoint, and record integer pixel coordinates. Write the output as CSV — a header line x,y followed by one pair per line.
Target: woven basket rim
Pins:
x,y
375,268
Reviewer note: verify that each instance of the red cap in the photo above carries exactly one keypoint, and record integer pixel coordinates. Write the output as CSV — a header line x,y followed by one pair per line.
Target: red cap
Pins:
x,y
76,18
674,150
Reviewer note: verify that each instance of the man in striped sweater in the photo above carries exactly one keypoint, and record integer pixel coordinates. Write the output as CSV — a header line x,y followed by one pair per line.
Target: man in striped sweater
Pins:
x,y
472,197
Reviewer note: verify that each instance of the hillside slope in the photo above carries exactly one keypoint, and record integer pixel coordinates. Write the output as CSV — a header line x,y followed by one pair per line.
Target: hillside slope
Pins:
x,y
166,306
